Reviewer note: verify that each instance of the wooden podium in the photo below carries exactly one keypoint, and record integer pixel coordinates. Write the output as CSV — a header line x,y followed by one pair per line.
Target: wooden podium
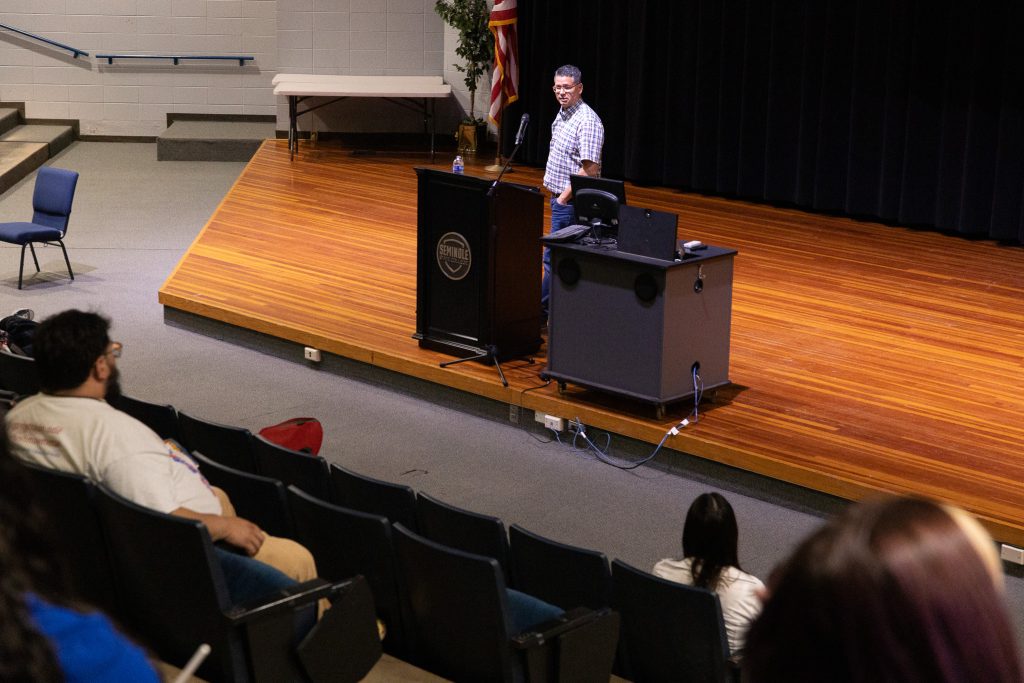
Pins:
x,y
477,266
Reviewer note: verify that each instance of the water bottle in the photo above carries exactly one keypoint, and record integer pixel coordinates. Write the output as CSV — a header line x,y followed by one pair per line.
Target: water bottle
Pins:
x,y
457,165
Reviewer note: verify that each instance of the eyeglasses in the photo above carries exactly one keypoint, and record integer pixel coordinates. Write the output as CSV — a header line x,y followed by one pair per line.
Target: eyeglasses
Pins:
x,y
114,350
564,88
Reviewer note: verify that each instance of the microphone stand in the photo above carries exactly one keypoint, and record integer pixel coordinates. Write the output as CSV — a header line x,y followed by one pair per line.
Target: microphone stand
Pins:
x,y
503,170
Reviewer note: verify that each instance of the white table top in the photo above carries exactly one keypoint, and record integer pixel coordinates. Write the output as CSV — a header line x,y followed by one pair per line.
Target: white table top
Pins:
x,y
321,85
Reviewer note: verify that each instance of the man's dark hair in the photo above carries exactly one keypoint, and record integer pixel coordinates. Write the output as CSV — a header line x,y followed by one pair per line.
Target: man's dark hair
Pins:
x,y
571,71
66,346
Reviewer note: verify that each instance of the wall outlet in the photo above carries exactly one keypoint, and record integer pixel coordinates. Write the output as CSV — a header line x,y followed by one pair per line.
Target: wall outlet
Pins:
x,y
311,354
555,423
550,421
1012,554
513,413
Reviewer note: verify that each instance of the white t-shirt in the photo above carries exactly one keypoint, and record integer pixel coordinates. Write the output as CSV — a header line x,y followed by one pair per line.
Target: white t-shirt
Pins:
x,y
737,591
89,437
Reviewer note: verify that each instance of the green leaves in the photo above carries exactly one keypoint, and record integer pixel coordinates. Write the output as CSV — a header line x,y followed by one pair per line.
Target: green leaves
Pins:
x,y
476,43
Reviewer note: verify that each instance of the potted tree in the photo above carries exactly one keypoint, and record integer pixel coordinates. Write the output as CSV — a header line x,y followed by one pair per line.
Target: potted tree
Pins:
x,y
476,48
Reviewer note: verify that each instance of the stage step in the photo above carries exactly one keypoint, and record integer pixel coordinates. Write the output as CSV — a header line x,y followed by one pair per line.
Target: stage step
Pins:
x,y
56,137
26,145
9,118
18,159
212,140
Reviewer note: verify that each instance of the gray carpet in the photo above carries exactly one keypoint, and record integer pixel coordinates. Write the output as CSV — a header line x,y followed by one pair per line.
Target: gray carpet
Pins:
x,y
133,219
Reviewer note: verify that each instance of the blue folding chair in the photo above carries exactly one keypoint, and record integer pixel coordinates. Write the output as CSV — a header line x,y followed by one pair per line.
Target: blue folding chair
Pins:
x,y
51,203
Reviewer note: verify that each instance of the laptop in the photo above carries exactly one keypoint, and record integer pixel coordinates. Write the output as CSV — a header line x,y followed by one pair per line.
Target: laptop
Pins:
x,y
646,232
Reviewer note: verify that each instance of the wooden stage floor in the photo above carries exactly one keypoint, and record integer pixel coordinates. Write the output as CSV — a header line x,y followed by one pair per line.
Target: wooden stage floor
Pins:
x,y
863,358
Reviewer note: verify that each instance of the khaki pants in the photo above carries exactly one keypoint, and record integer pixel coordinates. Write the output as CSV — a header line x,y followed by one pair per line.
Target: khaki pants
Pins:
x,y
285,555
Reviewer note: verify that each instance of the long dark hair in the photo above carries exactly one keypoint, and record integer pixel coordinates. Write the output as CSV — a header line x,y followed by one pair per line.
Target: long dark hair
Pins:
x,y
894,589
26,565
710,539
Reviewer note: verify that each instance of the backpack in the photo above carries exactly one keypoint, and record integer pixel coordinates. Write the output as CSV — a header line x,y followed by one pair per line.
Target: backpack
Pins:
x,y
304,434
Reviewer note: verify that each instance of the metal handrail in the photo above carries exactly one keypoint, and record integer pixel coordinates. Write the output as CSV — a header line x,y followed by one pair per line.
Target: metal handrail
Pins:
x,y
73,50
241,59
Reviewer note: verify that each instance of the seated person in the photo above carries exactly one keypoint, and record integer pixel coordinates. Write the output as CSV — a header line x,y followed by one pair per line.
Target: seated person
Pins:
x,y
894,589
710,539
69,426
44,637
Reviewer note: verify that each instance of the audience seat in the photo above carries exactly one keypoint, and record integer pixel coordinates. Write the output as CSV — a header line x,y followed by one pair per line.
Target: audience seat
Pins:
x,y
471,532
260,500
397,502
557,573
175,598
346,543
231,446
18,374
461,624
670,631
162,419
74,526
292,468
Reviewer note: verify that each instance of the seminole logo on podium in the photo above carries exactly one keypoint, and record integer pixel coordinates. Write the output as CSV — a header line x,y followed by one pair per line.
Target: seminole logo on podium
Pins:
x,y
454,257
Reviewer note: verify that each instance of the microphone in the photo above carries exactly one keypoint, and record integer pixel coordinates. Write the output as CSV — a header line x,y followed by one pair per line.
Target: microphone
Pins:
x,y
523,122
519,140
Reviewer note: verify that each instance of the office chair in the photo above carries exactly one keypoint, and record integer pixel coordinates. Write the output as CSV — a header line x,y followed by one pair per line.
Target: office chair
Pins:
x,y
51,204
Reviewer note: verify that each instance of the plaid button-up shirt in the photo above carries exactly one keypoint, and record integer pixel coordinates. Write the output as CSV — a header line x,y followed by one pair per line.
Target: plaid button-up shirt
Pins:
x,y
577,134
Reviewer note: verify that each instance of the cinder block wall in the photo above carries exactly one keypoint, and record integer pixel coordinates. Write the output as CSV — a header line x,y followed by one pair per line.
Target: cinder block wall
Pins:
x,y
360,37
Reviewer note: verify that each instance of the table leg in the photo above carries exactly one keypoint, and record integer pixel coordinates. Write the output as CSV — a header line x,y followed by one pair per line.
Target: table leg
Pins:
x,y
293,126
433,126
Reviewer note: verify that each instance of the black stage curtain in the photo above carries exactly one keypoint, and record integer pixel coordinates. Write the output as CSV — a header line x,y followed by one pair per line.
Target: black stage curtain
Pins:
x,y
909,111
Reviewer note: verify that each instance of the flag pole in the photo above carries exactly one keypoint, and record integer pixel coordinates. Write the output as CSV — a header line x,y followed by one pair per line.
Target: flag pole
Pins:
x,y
497,165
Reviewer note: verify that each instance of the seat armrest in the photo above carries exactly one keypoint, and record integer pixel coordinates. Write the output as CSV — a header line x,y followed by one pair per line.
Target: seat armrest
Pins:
x,y
579,646
547,630
285,600
273,627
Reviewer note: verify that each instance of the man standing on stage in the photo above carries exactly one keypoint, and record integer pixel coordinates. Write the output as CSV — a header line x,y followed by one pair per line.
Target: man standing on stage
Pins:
x,y
577,136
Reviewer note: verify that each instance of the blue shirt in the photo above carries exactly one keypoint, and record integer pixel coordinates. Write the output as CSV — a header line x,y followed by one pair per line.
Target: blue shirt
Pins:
x,y
577,135
88,647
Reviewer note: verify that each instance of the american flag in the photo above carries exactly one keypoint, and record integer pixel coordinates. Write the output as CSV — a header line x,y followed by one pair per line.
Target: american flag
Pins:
x,y
505,81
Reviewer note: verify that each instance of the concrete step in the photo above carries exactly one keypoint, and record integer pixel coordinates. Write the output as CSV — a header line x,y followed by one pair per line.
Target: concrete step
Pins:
x,y
18,159
56,137
212,140
9,118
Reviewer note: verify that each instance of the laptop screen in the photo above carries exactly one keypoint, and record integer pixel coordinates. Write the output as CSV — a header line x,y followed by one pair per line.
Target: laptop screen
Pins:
x,y
646,232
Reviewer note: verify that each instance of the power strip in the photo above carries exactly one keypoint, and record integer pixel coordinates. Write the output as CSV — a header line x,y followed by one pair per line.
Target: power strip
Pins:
x,y
550,421
1011,554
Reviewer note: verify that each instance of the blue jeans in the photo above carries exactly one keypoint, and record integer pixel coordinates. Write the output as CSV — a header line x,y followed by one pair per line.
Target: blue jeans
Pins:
x,y
249,579
526,611
561,216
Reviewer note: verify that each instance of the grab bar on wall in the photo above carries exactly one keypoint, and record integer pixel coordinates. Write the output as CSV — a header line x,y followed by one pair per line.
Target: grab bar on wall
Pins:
x,y
241,59
53,43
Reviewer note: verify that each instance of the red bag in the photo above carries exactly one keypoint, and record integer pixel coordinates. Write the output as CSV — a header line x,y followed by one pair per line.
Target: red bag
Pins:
x,y
304,434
